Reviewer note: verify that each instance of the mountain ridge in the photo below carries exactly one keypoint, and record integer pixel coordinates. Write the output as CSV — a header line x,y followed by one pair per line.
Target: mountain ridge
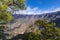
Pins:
x,y
54,16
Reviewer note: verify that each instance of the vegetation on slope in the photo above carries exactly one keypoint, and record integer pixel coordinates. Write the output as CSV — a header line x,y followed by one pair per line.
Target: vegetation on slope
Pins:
x,y
45,31
5,16
16,3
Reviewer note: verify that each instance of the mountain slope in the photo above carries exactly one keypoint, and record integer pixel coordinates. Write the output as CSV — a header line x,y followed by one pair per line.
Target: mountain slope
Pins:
x,y
54,16
22,22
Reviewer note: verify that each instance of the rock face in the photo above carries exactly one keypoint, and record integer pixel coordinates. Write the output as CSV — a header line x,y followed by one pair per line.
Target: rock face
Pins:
x,y
54,16
21,22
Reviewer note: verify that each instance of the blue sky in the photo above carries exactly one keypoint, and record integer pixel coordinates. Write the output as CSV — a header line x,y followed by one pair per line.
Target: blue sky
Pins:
x,y
43,4
36,7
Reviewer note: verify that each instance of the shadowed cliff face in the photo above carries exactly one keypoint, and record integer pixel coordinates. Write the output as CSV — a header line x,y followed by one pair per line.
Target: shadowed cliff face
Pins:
x,y
54,16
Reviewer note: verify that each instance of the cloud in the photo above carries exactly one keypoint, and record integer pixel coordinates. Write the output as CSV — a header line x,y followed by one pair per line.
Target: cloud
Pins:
x,y
29,11
35,11
52,10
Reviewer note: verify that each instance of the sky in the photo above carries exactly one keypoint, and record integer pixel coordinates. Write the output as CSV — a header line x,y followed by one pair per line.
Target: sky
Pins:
x,y
36,7
43,4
